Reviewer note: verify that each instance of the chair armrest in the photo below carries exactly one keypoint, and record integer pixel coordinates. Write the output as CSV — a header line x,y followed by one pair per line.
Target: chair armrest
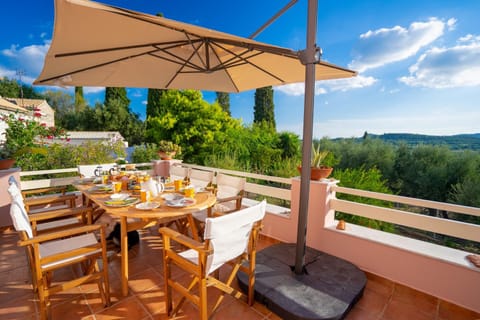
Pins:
x,y
60,234
58,189
182,239
50,199
60,213
228,199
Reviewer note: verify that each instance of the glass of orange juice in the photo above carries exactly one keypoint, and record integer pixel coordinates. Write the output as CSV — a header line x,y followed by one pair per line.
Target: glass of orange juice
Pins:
x,y
178,184
117,186
144,195
189,192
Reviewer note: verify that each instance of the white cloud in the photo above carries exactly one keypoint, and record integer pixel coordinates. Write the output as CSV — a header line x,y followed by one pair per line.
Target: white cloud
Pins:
x,y
325,86
457,66
386,45
29,58
89,90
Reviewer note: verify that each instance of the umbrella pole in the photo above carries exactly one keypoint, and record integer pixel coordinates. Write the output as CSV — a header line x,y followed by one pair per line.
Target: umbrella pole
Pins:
x,y
309,61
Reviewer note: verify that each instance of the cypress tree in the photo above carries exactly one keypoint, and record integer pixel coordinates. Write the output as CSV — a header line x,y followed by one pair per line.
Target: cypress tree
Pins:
x,y
223,99
264,108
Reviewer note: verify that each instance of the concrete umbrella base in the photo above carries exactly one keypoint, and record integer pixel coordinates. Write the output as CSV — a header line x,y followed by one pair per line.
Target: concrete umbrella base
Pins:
x,y
329,288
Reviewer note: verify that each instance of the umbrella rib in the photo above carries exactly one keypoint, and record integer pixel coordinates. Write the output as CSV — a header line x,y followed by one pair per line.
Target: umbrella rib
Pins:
x,y
250,63
170,44
247,43
181,67
96,66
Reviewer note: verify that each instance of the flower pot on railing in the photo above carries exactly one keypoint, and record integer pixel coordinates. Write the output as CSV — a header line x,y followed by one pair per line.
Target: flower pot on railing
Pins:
x,y
318,173
6,163
166,155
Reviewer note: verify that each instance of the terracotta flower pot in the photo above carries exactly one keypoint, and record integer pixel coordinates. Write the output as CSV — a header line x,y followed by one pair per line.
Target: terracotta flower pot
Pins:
x,y
166,155
318,173
6,163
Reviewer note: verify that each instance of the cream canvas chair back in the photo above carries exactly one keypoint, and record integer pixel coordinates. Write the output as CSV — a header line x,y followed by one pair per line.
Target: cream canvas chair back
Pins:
x,y
17,210
88,170
229,234
229,186
178,172
200,178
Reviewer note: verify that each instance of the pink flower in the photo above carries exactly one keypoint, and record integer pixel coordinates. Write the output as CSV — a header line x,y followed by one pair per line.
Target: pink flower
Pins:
x,y
43,124
68,139
50,137
37,114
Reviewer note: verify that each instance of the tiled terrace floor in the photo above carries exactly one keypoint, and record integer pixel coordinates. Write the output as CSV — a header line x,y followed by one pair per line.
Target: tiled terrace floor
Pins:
x,y
382,300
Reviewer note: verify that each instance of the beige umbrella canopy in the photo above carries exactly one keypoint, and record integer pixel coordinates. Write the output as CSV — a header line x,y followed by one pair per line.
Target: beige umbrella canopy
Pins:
x,y
100,45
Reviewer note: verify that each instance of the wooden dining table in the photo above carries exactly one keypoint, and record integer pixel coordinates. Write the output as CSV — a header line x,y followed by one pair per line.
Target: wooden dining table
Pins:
x,y
132,218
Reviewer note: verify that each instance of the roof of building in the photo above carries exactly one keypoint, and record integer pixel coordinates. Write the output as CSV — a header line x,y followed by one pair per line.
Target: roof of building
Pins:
x,y
28,102
94,135
9,106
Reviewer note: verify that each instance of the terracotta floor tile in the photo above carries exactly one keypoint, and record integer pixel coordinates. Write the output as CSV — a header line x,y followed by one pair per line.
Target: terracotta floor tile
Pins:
x,y
76,308
153,300
380,285
449,311
424,302
22,307
373,302
399,310
129,308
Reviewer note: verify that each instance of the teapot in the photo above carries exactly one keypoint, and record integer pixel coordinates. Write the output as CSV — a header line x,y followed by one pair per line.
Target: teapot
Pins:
x,y
98,171
153,186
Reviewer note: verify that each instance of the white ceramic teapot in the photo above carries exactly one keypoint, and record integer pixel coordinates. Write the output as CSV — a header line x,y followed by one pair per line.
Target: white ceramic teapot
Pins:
x,y
153,186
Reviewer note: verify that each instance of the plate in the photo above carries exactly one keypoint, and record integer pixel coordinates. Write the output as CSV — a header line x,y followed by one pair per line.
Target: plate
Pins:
x,y
172,197
147,205
121,203
119,196
184,202
101,188
86,180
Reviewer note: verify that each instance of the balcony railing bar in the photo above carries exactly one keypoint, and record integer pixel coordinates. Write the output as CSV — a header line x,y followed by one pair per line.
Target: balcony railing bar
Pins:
x,y
438,225
410,201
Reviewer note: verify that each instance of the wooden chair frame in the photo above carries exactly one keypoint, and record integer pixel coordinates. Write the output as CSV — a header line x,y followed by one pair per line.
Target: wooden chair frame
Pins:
x,y
42,268
245,262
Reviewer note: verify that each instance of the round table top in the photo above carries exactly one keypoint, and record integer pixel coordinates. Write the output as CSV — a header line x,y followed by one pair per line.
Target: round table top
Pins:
x,y
203,200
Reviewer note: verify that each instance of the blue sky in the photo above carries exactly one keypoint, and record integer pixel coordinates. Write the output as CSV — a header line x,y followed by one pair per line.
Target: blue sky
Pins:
x,y
418,61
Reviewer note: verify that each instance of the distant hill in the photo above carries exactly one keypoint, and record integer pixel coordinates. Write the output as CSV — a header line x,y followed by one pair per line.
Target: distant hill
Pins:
x,y
455,142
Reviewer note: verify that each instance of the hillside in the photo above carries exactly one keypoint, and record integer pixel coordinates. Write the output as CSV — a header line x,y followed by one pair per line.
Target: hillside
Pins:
x,y
454,142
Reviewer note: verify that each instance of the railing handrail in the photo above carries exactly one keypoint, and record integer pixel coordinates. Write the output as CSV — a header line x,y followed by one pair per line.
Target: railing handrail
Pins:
x,y
410,201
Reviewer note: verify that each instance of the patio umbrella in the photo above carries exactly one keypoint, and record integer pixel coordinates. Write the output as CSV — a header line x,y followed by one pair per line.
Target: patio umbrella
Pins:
x,y
100,45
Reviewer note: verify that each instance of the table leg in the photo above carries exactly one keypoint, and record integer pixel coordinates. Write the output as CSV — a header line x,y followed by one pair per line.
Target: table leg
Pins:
x,y
193,227
124,255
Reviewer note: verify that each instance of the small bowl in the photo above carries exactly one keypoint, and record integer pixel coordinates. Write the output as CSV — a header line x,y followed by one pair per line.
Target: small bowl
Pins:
x,y
119,196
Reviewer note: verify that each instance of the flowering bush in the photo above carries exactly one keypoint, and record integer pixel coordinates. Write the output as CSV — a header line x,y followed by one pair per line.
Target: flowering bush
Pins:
x,y
26,140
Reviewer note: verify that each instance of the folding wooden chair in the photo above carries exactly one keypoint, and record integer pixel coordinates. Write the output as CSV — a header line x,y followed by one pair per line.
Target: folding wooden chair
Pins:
x,y
229,192
52,218
229,239
201,178
51,251
178,172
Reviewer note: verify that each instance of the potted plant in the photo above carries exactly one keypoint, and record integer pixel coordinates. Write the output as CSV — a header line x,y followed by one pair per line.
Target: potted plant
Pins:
x,y
321,164
6,158
167,149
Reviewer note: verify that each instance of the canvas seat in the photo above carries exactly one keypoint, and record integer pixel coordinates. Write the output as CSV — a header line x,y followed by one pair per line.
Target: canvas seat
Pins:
x,y
52,251
229,239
